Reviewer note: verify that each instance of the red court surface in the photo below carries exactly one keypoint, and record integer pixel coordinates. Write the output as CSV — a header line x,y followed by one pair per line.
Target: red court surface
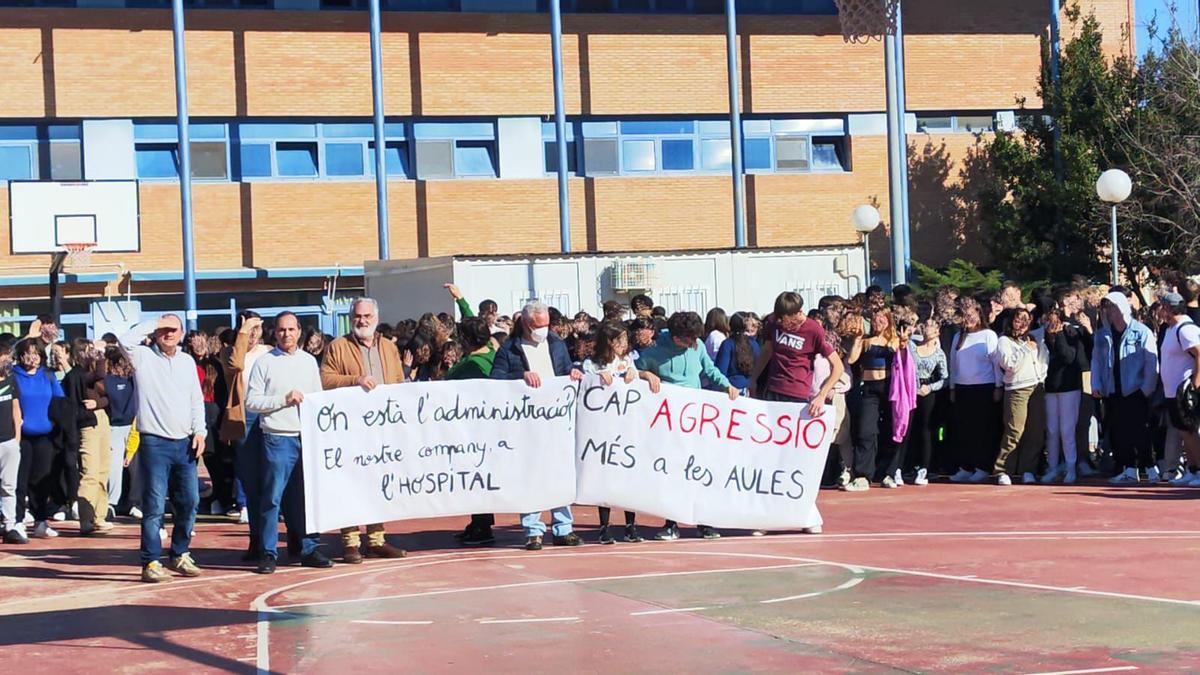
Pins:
x,y
945,578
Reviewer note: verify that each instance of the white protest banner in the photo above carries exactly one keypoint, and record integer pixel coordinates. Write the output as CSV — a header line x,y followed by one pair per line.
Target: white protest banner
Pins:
x,y
423,450
696,457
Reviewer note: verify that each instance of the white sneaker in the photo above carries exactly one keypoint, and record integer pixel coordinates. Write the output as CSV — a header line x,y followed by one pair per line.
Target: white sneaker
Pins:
x,y
59,515
844,479
244,517
1153,475
979,476
815,529
1003,479
215,509
44,531
898,479
1183,479
74,512
961,477
27,521
1129,475
858,485
922,477
1070,477
1028,478
135,512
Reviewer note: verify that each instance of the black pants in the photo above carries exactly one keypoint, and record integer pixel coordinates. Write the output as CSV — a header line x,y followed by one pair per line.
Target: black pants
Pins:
x,y
944,457
605,512
870,411
976,422
1128,422
917,448
35,477
218,459
66,476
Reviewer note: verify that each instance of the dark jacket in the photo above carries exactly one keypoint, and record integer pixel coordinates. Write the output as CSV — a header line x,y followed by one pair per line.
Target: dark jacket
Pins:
x,y
1068,360
81,384
63,412
122,400
511,364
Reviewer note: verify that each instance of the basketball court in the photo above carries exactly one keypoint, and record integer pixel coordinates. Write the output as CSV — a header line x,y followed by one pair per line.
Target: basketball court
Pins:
x,y
946,578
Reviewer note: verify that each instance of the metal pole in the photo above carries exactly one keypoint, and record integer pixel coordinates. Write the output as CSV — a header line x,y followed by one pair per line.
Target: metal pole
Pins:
x,y
381,203
185,165
735,125
895,136
867,259
902,98
560,126
1055,57
1116,274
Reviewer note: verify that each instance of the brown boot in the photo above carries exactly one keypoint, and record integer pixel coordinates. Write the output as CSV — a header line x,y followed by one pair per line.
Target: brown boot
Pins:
x,y
385,551
352,555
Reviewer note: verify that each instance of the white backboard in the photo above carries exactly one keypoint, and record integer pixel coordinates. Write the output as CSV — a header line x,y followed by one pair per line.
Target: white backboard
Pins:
x,y
45,215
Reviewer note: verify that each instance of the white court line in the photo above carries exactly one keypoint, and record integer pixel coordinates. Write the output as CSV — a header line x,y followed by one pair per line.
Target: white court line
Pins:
x,y
841,587
1117,669
393,623
667,611
1014,584
543,582
549,619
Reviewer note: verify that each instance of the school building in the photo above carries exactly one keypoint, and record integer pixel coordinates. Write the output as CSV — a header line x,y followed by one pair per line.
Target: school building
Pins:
x,y
283,152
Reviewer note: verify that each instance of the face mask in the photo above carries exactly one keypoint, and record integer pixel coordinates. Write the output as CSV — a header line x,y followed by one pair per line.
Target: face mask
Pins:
x,y
539,335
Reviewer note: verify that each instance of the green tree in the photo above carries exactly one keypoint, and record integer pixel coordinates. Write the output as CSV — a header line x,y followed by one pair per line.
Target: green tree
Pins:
x,y
1041,227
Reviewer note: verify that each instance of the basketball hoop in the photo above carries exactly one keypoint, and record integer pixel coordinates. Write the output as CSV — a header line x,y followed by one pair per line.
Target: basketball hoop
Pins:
x,y
864,20
79,254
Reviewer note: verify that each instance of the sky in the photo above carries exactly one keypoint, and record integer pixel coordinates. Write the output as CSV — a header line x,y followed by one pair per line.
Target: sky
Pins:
x,y
1146,10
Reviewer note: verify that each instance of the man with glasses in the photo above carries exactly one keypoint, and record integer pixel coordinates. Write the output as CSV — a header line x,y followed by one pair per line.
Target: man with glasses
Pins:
x,y
170,420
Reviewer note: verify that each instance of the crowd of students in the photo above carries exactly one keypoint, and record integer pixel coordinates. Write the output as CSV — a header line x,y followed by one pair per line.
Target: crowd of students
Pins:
x,y
1064,383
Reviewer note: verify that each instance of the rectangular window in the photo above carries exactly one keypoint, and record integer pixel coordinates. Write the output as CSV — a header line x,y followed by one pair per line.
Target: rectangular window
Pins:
x,y
344,159
677,155
638,156
658,128
758,154
395,156
827,154
16,162
296,159
209,160
975,123
600,157
791,154
435,159
550,150
156,160
927,123
65,161
273,131
256,160
474,158
716,154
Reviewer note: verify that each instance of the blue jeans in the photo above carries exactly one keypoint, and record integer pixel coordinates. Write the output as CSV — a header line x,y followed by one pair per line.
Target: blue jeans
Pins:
x,y
248,468
168,470
534,527
282,487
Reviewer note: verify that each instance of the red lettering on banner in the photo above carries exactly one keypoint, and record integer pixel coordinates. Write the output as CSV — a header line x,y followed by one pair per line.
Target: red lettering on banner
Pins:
x,y
733,424
664,410
761,420
683,418
810,425
709,414
782,422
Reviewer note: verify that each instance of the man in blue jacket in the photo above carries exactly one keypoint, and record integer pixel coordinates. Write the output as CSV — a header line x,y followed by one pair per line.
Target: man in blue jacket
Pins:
x,y
1124,376
533,353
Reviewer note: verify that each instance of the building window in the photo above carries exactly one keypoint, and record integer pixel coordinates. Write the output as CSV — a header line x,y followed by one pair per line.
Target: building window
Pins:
x,y
156,147
18,152
395,157
550,148
949,124
66,152
296,159
791,154
600,157
334,151
455,149
677,155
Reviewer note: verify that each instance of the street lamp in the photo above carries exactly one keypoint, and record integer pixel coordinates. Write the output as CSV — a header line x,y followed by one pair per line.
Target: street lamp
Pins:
x,y
1114,187
866,219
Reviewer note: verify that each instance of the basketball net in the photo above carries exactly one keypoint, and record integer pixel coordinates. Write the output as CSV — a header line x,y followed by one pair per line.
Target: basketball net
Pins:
x,y
79,254
864,20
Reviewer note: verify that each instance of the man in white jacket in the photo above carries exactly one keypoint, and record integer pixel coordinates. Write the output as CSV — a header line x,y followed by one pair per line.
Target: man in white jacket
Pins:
x,y
278,383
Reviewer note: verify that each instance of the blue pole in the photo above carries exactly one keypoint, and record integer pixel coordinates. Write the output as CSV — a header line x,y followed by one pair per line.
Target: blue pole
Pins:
x,y
1055,59
185,165
896,159
735,125
902,98
560,126
381,204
